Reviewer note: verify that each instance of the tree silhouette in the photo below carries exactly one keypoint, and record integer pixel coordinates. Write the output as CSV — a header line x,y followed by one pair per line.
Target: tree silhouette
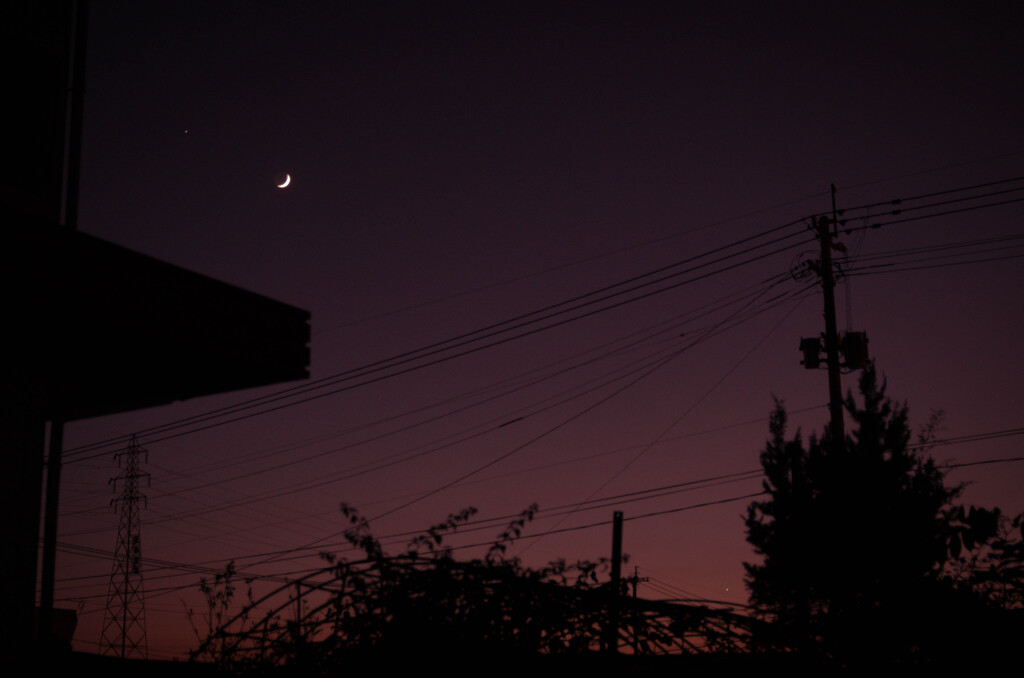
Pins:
x,y
860,548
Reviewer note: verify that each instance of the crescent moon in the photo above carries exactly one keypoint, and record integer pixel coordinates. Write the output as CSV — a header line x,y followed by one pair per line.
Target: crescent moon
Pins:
x,y
287,180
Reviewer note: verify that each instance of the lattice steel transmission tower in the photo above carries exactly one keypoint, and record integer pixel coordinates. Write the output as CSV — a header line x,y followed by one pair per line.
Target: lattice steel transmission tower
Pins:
x,y
124,623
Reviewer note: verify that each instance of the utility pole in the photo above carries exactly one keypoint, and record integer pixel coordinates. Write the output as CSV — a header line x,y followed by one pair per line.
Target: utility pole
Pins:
x,y
835,388
634,581
611,635
852,345
124,623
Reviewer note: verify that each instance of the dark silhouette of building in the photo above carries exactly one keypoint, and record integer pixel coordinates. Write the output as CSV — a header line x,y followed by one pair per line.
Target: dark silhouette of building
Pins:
x,y
93,328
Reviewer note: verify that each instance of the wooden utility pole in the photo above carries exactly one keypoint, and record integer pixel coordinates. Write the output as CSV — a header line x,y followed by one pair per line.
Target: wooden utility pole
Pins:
x,y
611,636
853,346
835,389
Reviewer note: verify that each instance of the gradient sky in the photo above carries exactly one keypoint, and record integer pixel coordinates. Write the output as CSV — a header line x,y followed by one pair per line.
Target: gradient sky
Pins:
x,y
456,165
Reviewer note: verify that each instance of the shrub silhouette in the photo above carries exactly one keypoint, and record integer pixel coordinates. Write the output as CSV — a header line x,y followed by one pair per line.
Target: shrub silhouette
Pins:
x,y
421,602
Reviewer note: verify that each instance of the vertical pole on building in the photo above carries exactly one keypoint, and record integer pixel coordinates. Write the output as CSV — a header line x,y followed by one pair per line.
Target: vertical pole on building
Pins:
x,y
53,468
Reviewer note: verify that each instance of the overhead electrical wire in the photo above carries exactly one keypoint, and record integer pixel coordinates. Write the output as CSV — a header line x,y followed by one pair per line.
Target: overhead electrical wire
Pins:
x,y
155,565
932,215
589,408
492,392
559,368
899,202
515,450
432,362
287,555
689,597
601,502
609,296
322,480
533,317
938,256
899,206
686,413
603,453
755,472
578,262
903,267
926,256
652,362
994,461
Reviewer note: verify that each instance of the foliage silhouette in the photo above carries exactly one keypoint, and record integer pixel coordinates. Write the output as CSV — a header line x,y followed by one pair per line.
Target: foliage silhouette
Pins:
x,y
219,597
865,555
426,599
425,603
996,572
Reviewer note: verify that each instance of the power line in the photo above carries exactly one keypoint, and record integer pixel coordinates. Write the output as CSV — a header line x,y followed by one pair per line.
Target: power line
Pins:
x,y
937,256
916,262
693,405
561,368
898,202
943,213
539,315
615,348
594,504
609,296
480,430
898,268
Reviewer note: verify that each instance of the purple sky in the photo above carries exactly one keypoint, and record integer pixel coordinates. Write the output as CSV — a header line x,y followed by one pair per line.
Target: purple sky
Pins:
x,y
454,167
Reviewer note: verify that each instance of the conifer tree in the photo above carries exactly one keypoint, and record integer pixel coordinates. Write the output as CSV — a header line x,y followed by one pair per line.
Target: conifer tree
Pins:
x,y
857,547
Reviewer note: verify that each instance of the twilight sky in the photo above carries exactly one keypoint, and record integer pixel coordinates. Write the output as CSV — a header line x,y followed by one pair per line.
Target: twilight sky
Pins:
x,y
455,166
